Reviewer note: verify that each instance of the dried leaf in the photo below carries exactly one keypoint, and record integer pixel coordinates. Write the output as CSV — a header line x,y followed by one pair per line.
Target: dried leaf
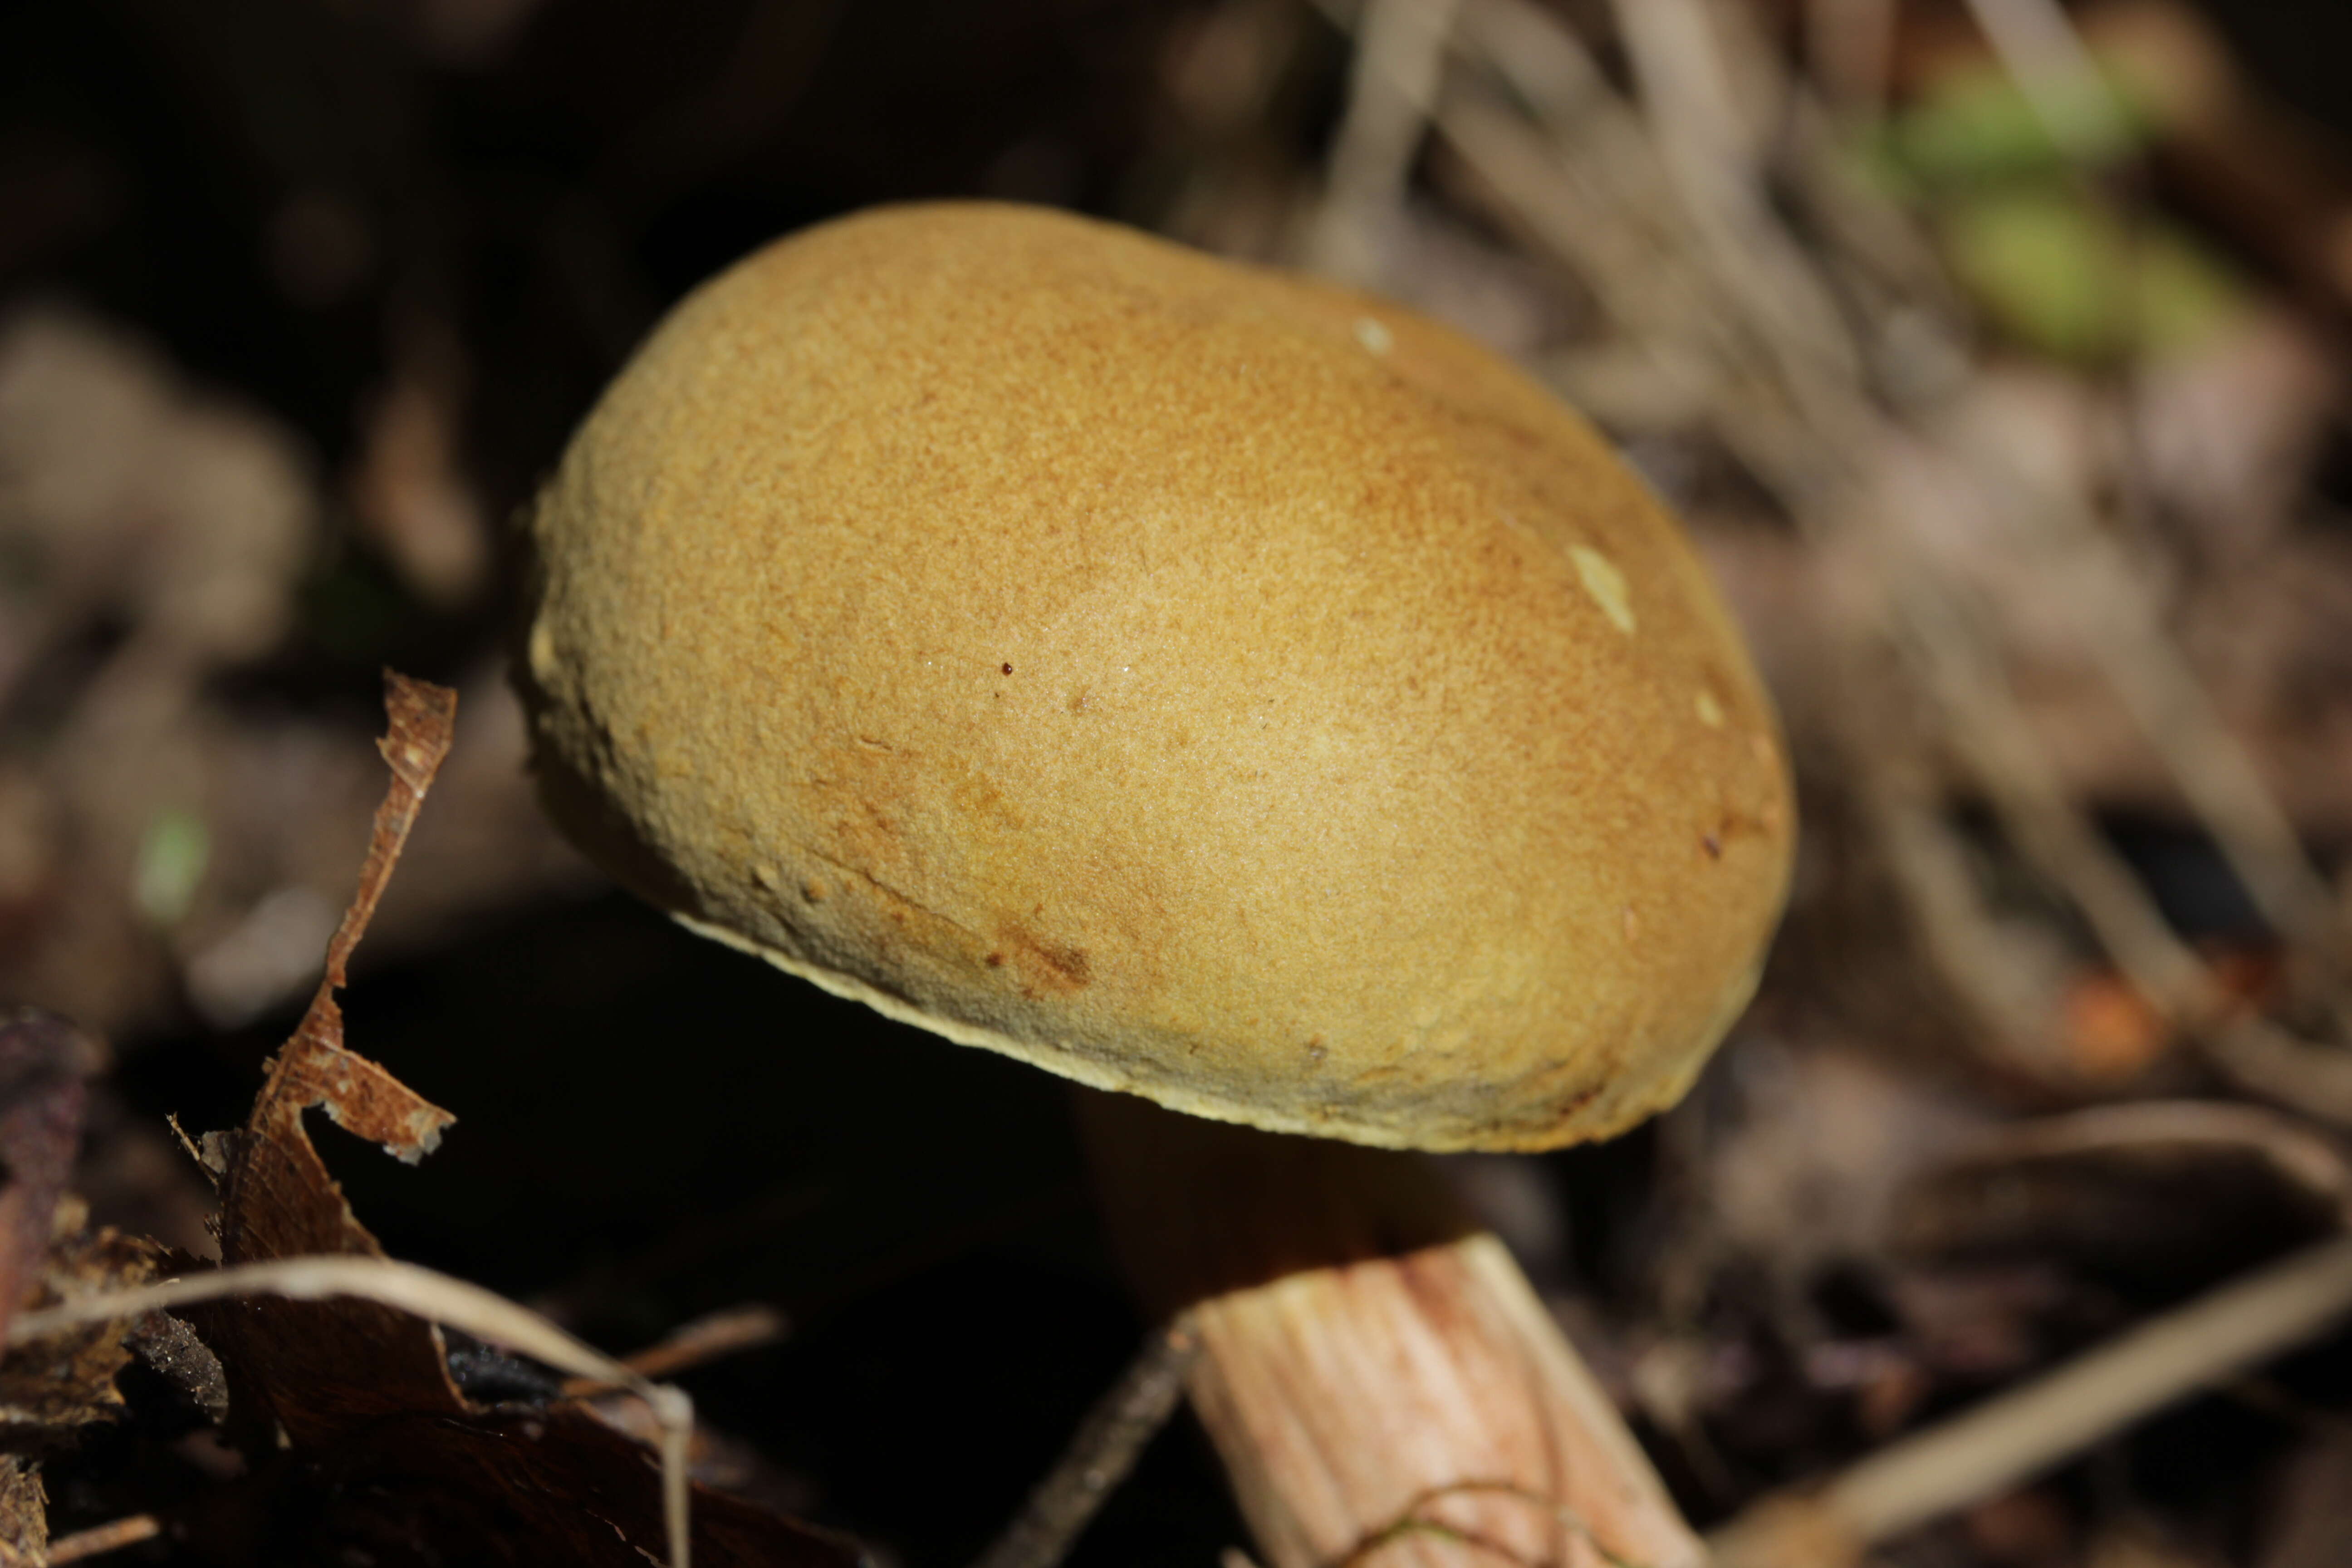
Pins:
x,y
395,1463
50,1387
313,1368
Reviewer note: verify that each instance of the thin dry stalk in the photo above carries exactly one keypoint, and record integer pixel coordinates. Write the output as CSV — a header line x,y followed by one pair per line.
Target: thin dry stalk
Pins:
x,y
1975,956
2297,1154
1715,165
1592,192
2019,1435
1401,52
2046,58
2263,1059
723,1334
1101,1452
2121,621
2059,838
99,1539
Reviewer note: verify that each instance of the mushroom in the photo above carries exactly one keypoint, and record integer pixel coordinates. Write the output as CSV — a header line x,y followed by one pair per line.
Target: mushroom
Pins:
x,y
1203,683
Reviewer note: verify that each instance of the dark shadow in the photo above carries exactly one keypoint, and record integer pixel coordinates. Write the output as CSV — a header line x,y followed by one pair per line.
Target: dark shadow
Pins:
x,y
1196,1208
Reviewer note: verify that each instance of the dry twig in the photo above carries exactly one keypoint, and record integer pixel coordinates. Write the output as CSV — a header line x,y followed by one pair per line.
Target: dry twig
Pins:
x,y
101,1539
1105,1447
2300,1156
730,1332
2016,1436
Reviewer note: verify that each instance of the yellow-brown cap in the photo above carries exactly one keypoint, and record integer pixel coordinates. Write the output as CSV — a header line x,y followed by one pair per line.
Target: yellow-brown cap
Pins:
x,y
1193,679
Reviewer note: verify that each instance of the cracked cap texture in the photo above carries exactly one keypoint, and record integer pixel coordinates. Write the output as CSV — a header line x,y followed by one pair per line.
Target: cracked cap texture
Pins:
x,y
1190,678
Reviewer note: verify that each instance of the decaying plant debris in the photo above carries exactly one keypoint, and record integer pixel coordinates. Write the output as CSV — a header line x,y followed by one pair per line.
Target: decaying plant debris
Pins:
x,y
1994,347
335,1382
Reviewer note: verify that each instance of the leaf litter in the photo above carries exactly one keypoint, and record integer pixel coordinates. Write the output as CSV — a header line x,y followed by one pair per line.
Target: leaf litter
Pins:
x,y
360,1443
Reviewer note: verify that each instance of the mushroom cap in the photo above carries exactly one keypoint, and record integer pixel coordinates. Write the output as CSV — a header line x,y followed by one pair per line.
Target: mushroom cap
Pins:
x,y
1193,679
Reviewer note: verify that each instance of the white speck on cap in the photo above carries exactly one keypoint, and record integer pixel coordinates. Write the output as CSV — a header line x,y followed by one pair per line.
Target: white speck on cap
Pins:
x,y
1606,585
541,651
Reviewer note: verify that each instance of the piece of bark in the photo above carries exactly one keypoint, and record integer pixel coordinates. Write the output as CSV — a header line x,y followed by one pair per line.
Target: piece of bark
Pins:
x,y
1380,1380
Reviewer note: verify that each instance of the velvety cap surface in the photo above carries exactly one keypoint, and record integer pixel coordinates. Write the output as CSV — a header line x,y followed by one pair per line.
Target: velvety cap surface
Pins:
x,y
1191,680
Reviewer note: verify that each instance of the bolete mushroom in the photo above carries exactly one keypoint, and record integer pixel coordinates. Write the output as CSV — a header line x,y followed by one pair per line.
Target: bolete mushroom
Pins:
x,y
1195,680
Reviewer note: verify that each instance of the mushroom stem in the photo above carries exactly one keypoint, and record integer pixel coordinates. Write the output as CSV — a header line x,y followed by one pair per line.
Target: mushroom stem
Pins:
x,y
1374,1369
